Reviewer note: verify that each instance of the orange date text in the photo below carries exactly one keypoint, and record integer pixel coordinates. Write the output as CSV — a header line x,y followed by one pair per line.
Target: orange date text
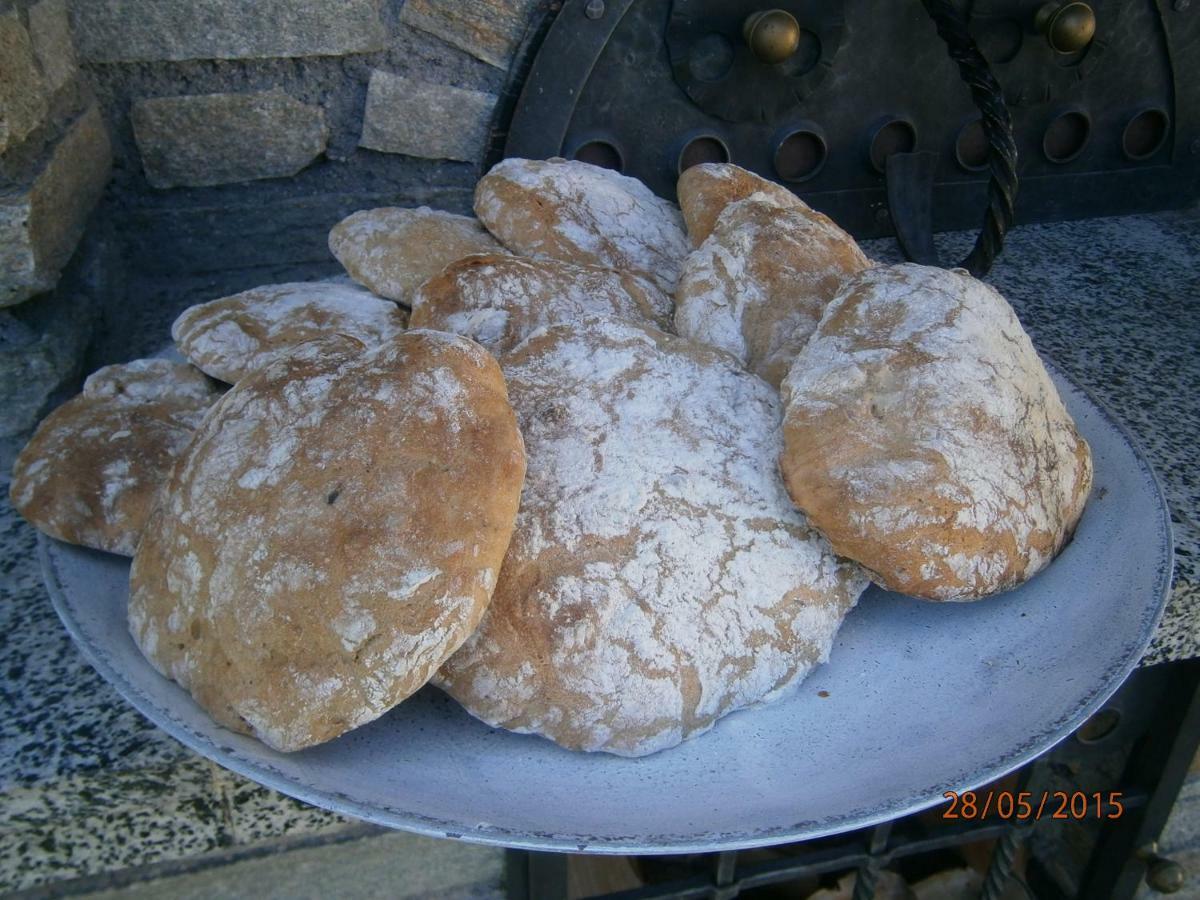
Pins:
x,y
1033,807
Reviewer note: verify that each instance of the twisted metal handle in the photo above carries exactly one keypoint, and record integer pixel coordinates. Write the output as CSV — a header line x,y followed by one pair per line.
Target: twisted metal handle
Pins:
x,y
997,126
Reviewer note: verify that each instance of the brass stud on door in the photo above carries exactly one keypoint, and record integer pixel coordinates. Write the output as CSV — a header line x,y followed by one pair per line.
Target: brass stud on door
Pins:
x,y
1068,27
773,35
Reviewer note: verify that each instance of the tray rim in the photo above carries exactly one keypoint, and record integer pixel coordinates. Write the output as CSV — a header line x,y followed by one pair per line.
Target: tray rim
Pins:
x,y
495,835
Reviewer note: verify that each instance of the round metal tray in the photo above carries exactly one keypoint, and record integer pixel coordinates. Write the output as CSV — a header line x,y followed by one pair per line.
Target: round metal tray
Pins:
x,y
918,698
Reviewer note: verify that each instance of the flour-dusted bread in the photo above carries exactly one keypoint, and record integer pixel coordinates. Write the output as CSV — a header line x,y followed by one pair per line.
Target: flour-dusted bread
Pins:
x,y
706,189
331,535
393,249
231,337
186,392
924,437
659,577
580,213
758,285
92,471
499,300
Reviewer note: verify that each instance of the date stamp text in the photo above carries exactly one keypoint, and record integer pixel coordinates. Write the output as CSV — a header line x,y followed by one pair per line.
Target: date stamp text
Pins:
x,y
1033,807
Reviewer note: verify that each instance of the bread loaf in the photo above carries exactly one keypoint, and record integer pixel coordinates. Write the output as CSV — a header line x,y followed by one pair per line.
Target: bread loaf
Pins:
x,y
391,250
498,300
233,336
331,535
579,213
924,437
92,471
758,285
658,577
186,392
706,189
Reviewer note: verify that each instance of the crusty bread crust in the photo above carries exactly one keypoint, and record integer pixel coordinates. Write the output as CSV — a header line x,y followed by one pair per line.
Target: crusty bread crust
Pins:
x,y
231,337
92,471
925,438
499,300
392,249
331,535
579,213
758,285
658,577
706,189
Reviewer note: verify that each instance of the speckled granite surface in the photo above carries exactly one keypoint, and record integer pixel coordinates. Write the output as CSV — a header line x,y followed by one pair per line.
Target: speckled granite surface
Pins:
x,y
88,786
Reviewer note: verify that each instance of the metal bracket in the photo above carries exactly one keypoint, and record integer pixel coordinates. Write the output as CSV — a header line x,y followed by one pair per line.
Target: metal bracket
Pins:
x,y
909,179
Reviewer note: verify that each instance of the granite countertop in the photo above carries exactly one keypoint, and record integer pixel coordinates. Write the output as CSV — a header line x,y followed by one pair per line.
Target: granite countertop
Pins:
x,y
90,787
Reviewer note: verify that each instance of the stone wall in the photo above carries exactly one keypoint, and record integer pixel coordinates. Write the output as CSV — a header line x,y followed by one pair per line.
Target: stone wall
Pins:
x,y
55,160
244,131
54,149
238,132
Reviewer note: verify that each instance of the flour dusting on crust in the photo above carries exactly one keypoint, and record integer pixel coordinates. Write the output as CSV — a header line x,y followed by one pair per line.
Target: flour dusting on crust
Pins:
x,y
500,300
575,212
925,438
186,390
322,547
758,285
706,190
233,336
93,469
658,577
393,249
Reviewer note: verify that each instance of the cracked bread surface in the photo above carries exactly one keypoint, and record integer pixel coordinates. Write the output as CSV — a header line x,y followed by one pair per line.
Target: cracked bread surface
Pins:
x,y
924,437
580,213
659,577
92,470
331,535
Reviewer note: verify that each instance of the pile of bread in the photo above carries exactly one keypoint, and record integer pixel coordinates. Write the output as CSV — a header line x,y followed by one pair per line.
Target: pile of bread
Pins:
x,y
602,468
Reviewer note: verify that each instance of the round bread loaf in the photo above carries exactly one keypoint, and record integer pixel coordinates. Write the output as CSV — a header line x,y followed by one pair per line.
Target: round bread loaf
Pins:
x,y
185,390
392,250
758,285
658,577
331,535
705,190
924,437
93,469
231,337
498,300
579,213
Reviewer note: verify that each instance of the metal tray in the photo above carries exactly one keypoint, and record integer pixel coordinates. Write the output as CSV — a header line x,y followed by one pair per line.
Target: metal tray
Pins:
x,y
918,698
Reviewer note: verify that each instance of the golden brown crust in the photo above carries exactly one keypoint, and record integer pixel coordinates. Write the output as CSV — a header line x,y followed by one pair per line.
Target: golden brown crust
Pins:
x,y
392,249
579,213
498,300
332,534
92,471
925,439
232,336
705,190
758,285
658,577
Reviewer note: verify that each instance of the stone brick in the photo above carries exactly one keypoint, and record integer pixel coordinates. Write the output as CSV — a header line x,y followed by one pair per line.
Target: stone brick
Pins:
x,y
41,223
52,44
417,118
224,138
147,30
490,30
22,89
